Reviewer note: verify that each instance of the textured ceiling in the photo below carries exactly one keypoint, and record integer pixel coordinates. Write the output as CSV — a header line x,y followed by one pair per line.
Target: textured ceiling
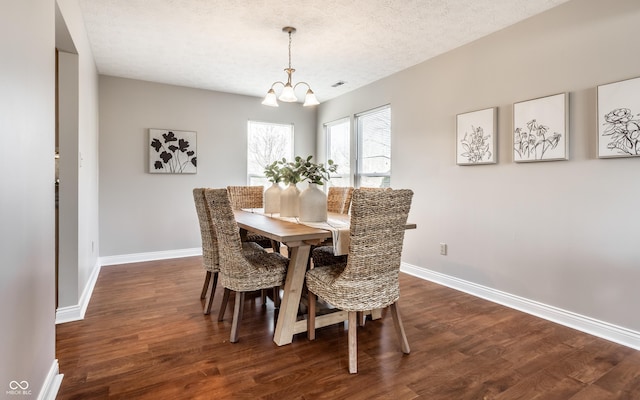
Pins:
x,y
238,46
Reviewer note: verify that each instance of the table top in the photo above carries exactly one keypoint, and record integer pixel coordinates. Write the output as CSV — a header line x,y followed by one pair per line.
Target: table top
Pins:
x,y
278,229
286,231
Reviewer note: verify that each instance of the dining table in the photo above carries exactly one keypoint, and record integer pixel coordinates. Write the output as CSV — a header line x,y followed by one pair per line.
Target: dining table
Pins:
x,y
299,238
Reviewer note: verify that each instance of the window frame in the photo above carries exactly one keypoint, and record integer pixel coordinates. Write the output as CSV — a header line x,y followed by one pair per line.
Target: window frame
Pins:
x,y
252,176
358,173
348,176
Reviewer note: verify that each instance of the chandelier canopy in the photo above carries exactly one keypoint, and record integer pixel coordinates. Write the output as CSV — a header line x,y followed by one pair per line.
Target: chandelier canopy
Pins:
x,y
288,90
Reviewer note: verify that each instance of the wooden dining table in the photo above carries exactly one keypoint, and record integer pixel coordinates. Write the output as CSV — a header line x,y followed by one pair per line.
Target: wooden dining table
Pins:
x,y
298,238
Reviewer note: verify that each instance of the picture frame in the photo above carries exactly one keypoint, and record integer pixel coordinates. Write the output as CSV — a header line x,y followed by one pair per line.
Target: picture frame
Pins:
x,y
541,129
172,151
476,137
619,119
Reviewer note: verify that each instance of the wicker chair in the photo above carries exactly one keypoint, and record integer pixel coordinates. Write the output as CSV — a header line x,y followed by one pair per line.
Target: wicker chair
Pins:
x,y
245,196
240,271
210,257
339,199
369,279
373,189
251,197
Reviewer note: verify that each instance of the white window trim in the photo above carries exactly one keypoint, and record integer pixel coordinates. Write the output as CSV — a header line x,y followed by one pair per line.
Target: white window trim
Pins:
x,y
357,174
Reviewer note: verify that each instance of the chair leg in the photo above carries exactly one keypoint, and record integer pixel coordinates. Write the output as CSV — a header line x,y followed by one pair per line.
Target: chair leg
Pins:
x,y
223,306
276,297
353,342
397,322
376,314
309,258
213,292
362,318
207,277
311,316
237,316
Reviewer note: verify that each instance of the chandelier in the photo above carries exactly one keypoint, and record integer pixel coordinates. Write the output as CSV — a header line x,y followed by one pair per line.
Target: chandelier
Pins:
x,y
288,91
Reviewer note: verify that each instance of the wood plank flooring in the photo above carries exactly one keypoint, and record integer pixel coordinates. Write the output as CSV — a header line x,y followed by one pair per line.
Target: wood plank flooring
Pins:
x,y
144,336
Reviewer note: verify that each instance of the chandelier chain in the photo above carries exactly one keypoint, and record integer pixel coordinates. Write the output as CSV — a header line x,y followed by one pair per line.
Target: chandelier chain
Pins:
x,y
289,49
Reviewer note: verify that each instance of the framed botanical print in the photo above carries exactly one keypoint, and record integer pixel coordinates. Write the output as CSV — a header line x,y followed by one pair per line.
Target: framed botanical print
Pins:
x,y
476,140
541,129
172,152
619,119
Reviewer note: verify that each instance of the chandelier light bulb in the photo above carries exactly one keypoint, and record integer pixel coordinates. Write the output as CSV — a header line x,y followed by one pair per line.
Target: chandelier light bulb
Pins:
x,y
270,99
287,94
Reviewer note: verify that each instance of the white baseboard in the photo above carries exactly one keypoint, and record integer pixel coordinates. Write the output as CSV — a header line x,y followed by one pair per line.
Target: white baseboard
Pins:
x,y
76,312
51,384
151,256
582,323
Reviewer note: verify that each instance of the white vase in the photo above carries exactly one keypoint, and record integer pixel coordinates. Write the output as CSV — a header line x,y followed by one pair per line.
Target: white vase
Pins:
x,y
271,199
289,201
313,204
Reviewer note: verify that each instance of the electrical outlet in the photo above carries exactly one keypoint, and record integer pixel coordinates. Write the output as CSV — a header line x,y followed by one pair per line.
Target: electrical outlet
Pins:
x,y
443,249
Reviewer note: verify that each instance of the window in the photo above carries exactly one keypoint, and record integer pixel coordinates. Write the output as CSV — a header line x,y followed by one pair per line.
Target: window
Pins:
x,y
339,150
373,131
266,143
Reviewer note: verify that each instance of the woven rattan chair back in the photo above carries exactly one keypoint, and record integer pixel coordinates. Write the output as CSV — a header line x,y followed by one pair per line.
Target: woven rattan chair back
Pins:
x,y
210,258
373,189
370,278
339,199
233,266
250,197
246,196
236,271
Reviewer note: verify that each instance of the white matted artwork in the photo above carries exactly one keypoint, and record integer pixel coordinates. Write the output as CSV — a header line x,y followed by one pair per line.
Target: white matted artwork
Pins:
x,y
540,129
619,119
476,141
172,152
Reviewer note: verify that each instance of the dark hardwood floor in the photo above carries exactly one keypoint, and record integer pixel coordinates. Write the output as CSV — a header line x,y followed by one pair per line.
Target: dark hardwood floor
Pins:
x,y
144,337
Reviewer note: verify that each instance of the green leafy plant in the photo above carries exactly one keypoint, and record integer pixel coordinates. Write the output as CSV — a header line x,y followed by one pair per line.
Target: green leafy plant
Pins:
x,y
289,171
303,169
273,172
317,173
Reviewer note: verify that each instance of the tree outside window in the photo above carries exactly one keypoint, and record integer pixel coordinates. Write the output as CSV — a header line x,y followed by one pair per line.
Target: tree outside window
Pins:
x,y
266,143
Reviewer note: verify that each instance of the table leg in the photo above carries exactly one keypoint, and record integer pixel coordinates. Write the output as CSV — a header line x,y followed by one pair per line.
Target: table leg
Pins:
x,y
292,291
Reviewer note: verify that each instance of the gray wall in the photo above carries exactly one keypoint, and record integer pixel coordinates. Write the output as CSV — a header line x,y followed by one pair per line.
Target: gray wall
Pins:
x,y
27,231
79,239
27,120
561,233
145,213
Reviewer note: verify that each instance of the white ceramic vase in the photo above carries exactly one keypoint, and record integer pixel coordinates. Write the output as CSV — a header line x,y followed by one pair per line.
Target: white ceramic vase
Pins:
x,y
313,204
271,199
289,201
